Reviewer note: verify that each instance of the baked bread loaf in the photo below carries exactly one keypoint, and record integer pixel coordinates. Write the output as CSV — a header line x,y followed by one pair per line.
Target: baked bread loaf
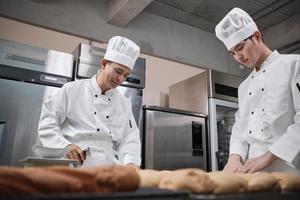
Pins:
x,y
287,182
59,179
193,180
117,178
13,182
86,177
151,178
260,182
226,182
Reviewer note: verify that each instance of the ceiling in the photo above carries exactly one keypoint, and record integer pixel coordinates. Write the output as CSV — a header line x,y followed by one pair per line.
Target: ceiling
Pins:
x,y
205,14
201,14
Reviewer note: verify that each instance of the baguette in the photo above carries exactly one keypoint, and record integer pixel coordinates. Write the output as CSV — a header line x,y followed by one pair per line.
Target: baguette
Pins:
x,y
260,182
58,179
192,180
227,182
52,182
13,182
116,178
87,179
151,178
287,182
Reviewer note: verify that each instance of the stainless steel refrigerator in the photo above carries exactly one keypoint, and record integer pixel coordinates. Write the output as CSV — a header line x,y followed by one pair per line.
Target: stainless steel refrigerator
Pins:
x,y
215,94
173,139
28,76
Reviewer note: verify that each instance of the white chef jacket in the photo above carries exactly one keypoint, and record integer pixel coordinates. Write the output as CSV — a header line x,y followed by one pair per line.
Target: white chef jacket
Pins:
x,y
269,113
78,113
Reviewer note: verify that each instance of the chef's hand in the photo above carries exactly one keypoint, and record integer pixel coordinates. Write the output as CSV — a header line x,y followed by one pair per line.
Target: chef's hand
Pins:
x,y
76,153
255,164
234,163
137,168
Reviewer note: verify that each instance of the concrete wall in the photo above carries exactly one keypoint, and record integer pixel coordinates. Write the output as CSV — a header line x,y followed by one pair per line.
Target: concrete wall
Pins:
x,y
156,35
160,73
284,33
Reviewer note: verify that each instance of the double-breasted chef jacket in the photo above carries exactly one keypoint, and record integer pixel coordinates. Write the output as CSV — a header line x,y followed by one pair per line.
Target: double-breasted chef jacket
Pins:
x,y
269,113
78,113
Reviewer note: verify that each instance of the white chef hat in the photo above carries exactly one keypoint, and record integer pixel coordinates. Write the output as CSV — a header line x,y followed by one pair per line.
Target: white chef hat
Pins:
x,y
236,26
122,50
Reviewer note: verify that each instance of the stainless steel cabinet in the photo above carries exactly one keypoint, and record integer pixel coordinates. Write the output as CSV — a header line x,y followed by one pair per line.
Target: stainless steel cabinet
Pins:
x,y
173,139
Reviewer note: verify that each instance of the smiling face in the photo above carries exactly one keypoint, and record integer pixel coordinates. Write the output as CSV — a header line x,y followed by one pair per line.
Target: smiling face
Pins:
x,y
112,75
248,52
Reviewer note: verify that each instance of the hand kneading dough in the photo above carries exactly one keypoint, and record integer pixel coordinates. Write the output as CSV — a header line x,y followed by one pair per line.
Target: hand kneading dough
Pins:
x,y
260,182
193,180
151,178
227,182
287,182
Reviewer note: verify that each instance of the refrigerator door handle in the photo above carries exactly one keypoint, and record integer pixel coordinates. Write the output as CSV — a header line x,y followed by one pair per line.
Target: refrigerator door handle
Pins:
x,y
2,126
197,142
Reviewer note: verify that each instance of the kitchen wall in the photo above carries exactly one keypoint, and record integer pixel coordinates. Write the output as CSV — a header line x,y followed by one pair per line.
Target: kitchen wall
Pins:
x,y
160,73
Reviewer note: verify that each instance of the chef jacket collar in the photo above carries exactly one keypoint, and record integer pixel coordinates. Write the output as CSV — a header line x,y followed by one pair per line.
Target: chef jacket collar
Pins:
x,y
267,62
97,89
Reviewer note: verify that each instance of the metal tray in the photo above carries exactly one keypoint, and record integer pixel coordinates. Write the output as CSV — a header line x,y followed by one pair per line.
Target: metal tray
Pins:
x,y
35,161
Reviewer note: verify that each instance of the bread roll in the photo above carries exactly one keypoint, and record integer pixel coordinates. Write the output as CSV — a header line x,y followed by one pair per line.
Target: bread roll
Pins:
x,y
260,182
117,178
13,182
226,182
193,180
151,178
84,176
37,180
51,182
287,182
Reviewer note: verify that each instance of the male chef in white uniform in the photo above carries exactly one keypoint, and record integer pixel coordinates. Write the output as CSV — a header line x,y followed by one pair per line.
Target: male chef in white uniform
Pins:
x,y
266,134
92,114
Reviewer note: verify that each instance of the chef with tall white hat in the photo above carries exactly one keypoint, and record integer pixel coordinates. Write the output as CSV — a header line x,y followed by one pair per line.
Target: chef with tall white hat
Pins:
x,y
92,114
266,133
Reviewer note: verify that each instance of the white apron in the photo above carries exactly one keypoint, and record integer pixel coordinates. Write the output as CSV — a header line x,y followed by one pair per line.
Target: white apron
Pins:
x,y
99,150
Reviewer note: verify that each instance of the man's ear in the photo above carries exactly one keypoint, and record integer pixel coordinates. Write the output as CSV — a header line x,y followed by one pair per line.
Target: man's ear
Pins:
x,y
103,64
258,36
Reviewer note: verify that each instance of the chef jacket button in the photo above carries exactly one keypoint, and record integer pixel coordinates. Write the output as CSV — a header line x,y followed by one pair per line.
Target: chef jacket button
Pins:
x,y
264,71
249,93
107,117
262,89
109,132
252,113
98,129
263,109
262,130
252,76
95,113
108,99
250,132
96,95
